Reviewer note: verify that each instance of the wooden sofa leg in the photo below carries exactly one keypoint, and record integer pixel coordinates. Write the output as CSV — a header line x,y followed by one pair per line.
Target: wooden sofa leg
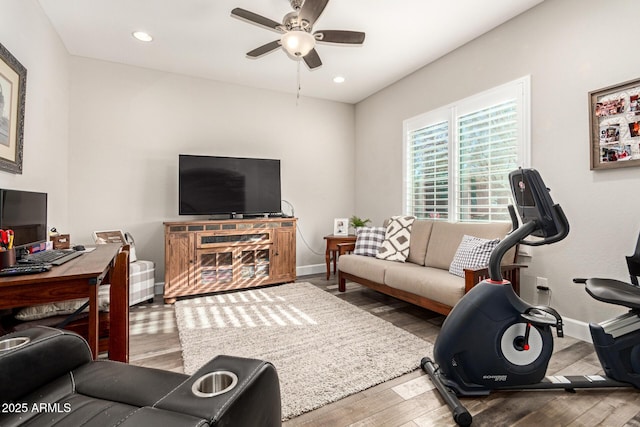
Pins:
x,y
342,283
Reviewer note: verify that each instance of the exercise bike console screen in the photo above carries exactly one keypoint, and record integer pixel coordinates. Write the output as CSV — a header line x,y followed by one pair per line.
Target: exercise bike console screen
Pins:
x,y
534,203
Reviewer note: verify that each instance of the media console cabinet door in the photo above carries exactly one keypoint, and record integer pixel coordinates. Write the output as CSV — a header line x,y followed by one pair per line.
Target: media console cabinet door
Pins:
x,y
283,264
223,269
179,248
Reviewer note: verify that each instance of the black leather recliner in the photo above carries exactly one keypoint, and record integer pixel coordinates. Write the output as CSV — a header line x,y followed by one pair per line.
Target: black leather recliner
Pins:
x,y
47,377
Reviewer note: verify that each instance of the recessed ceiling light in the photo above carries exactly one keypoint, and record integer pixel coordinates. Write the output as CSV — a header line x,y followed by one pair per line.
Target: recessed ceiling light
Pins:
x,y
142,36
338,79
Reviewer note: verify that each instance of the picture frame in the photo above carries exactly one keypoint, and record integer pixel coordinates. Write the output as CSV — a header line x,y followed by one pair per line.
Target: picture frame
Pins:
x,y
614,121
119,237
341,226
13,82
109,236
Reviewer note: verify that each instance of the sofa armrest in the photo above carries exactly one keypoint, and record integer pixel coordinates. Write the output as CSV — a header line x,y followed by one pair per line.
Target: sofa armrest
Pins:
x,y
510,272
345,248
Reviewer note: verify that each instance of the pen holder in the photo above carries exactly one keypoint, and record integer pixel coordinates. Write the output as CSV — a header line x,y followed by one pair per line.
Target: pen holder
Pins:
x,y
7,258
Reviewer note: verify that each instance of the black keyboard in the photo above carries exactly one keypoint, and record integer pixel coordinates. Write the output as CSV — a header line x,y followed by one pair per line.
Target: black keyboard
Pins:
x,y
54,257
15,270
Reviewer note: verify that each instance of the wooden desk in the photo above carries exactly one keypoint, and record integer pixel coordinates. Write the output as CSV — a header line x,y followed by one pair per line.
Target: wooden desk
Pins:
x,y
332,249
78,278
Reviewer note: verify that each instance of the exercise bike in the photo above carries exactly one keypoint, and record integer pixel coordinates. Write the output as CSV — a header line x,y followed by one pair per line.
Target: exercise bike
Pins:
x,y
493,340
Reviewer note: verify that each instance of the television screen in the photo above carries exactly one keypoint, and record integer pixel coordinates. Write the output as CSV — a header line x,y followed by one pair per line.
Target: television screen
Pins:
x,y
24,212
210,185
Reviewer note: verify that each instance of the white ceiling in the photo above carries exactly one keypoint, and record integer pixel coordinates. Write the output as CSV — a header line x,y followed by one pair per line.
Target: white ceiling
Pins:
x,y
200,38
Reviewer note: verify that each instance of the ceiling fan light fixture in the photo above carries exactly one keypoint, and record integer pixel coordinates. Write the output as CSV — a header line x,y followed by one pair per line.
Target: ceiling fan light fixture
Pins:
x,y
297,43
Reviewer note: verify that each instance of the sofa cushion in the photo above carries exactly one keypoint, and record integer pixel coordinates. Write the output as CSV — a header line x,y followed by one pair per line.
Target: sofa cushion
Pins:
x,y
446,237
420,232
369,268
433,283
368,240
397,239
472,252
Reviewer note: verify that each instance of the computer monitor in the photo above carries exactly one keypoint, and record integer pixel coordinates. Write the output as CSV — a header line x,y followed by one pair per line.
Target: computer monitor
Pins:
x,y
24,212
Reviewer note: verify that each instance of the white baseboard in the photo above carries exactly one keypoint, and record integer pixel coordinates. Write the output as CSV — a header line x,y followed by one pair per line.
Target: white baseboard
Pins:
x,y
158,288
304,270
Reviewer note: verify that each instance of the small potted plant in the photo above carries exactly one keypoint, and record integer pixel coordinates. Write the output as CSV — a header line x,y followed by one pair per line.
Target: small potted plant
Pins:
x,y
356,222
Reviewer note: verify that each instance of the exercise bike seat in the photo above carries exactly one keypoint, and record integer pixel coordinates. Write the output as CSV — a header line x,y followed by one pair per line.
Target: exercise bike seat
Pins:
x,y
614,292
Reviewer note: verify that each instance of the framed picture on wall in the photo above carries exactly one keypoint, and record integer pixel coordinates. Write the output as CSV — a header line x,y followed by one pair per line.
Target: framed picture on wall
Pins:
x,y
13,80
615,126
109,236
341,226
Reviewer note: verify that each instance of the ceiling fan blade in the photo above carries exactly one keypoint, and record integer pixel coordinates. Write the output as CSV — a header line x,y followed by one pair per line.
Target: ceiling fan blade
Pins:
x,y
312,59
339,36
311,10
256,19
264,49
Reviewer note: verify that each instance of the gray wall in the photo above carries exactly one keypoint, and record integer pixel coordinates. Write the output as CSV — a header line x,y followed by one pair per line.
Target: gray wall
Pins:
x,y
28,36
569,48
129,125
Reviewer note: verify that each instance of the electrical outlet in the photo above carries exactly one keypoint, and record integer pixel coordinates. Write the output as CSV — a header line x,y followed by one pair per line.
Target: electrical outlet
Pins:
x,y
542,284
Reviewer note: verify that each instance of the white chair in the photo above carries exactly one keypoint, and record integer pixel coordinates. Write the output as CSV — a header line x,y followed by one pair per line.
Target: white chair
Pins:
x,y
141,272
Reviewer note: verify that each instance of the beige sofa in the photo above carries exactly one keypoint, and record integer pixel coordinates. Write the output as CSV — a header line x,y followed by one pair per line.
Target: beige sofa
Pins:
x,y
424,278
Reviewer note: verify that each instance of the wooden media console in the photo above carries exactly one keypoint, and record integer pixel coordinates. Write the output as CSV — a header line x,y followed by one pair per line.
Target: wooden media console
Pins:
x,y
218,255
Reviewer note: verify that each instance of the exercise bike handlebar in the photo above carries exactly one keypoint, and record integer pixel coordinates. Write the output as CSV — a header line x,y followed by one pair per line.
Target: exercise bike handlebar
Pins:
x,y
503,247
540,217
562,227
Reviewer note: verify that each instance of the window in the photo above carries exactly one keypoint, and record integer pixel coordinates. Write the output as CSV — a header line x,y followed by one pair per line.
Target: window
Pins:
x,y
458,157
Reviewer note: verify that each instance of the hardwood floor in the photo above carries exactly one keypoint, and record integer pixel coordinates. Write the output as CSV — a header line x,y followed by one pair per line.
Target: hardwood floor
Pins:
x,y
410,400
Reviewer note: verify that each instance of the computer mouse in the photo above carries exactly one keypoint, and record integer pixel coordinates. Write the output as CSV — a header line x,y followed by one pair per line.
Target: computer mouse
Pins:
x,y
78,248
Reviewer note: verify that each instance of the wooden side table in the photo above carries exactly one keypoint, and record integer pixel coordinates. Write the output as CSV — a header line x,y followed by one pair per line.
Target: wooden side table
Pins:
x,y
332,249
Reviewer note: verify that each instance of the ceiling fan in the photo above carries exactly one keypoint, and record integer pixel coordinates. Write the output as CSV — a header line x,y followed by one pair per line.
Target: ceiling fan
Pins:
x,y
296,28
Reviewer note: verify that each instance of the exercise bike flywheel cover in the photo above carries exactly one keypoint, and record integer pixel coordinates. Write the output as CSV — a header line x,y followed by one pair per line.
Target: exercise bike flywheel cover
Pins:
x,y
519,356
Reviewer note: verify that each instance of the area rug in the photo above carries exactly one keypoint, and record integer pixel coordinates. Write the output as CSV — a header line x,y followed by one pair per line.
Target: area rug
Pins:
x,y
323,348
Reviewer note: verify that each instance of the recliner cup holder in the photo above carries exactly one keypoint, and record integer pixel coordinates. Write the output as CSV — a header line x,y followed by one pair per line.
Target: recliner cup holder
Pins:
x,y
214,384
13,343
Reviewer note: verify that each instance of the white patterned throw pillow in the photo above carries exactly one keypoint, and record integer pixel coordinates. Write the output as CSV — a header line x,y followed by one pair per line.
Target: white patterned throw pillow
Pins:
x,y
368,240
473,252
396,239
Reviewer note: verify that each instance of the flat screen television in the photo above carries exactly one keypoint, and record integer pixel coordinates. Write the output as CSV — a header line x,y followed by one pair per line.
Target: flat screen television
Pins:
x,y
24,212
212,185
